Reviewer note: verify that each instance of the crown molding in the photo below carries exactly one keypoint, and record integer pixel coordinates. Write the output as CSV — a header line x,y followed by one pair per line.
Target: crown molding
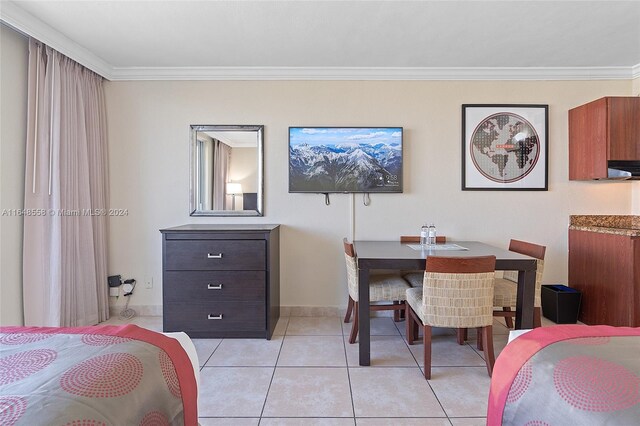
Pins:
x,y
370,73
26,23
29,25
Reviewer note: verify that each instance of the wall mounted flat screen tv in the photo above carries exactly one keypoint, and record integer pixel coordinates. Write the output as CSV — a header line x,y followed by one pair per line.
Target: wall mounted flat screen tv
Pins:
x,y
345,159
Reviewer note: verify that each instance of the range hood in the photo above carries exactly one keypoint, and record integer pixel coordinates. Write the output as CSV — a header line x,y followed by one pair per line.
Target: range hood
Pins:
x,y
623,170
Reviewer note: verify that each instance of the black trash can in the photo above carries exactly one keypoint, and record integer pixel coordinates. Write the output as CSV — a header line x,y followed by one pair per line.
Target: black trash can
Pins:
x,y
560,303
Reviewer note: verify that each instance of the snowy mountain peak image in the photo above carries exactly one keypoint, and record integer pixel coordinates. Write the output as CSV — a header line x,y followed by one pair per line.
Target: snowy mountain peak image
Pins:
x,y
340,159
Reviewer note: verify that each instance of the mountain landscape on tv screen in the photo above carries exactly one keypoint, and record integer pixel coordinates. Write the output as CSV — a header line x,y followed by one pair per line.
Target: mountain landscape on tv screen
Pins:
x,y
346,167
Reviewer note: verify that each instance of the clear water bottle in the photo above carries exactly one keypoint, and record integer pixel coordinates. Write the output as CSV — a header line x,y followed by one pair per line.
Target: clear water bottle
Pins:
x,y
431,240
424,235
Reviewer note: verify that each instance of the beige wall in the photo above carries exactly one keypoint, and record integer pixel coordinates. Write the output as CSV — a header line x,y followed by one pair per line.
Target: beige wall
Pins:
x,y
148,148
13,127
244,168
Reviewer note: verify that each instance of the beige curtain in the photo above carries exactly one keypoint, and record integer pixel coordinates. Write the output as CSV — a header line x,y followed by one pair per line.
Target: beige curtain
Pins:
x,y
221,160
205,171
66,194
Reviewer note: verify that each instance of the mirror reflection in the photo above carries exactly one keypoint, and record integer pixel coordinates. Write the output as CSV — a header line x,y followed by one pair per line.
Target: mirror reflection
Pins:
x,y
226,170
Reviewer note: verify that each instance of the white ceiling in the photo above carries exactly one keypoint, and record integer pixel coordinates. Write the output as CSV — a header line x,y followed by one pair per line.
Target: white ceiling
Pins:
x,y
236,139
186,39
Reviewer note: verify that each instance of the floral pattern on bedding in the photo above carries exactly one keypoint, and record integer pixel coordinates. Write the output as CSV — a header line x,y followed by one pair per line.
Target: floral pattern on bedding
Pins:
x,y
568,375
94,376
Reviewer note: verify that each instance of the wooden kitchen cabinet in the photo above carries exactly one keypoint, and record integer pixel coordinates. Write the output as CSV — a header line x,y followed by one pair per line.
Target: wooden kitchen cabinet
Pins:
x,y
605,267
607,129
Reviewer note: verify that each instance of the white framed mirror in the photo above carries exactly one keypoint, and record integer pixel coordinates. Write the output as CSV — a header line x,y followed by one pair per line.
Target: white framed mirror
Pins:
x,y
226,170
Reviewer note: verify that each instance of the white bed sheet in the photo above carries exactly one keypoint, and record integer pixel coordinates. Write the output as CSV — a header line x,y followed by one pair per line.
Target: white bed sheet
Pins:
x,y
190,349
513,334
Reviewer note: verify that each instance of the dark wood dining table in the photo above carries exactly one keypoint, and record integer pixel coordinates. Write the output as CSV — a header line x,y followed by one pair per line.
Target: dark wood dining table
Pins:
x,y
400,256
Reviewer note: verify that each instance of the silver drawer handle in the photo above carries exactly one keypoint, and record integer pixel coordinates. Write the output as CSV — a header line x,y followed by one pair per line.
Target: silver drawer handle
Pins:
x,y
214,317
214,256
214,287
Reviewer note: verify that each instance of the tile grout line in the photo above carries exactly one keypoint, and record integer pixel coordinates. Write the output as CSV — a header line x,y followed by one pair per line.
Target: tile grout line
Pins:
x,y
211,354
275,366
346,360
421,370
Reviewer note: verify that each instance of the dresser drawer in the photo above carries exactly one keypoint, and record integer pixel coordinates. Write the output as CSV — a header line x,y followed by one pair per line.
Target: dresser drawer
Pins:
x,y
214,286
215,318
221,255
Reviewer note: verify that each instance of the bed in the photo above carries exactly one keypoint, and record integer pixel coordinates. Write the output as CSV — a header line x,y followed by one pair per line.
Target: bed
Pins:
x,y
106,375
568,374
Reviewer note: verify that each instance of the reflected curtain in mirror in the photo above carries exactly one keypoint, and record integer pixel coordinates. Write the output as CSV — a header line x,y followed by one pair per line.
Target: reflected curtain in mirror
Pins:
x,y
213,158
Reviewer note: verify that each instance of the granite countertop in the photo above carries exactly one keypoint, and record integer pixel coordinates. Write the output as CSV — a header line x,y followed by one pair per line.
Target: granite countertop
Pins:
x,y
607,224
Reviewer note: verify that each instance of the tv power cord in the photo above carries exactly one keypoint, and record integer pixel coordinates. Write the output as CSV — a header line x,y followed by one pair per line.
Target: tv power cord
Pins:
x,y
128,286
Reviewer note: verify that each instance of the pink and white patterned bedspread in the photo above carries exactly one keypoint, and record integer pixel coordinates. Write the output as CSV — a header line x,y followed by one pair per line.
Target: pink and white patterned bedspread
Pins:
x,y
94,376
568,375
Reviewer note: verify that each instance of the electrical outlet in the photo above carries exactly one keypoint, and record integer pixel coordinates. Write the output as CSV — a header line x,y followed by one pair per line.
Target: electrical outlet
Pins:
x,y
114,291
148,282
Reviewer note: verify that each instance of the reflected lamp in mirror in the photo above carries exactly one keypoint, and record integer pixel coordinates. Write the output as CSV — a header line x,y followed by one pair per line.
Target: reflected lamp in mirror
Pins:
x,y
233,189
226,170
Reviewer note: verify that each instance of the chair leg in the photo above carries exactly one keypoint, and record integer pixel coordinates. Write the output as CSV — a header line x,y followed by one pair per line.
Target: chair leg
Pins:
x,y
461,335
347,316
537,320
396,313
426,338
507,320
354,327
410,325
489,357
479,342
403,313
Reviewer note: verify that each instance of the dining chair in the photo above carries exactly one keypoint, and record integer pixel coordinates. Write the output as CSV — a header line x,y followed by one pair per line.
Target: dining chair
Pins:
x,y
415,277
408,239
389,290
457,292
506,289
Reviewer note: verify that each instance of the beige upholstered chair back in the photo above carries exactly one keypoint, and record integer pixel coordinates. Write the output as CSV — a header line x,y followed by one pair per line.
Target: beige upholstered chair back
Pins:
x,y
533,250
513,276
459,299
388,287
352,276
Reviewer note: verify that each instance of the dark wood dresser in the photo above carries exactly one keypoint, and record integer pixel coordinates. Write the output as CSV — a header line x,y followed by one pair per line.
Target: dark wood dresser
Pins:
x,y
221,280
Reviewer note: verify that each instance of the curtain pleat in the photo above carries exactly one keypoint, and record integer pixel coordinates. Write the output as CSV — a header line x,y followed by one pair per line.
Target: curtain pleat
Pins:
x,y
221,160
65,244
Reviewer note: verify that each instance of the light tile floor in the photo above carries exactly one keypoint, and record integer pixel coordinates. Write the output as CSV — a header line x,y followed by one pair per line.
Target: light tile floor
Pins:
x,y
308,374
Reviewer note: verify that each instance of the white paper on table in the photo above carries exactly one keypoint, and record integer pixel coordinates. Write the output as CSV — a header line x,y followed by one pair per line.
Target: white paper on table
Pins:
x,y
437,247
